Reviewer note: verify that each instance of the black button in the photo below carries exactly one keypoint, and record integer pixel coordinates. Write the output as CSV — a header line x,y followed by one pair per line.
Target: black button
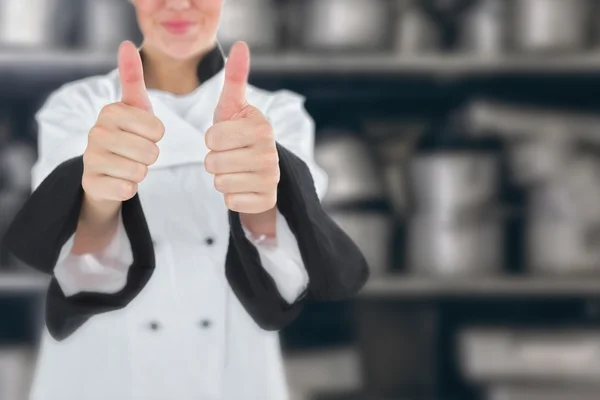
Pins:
x,y
209,241
154,326
205,323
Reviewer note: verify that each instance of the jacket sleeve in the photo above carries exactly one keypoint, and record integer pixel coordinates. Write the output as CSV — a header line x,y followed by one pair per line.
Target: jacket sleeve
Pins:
x,y
41,232
335,266
283,261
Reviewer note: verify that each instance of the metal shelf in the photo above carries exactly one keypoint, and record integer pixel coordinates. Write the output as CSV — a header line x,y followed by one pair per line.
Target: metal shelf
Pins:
x,y
401,286
55,61
22,282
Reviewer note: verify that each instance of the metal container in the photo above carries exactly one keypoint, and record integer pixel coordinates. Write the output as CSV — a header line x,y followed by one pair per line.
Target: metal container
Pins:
x,y
560,246
483,28
345,24
107,23
16,161
373,233
550,25
36,23
468,244
16,369
511,355
415,31
444,183
352,173
254,21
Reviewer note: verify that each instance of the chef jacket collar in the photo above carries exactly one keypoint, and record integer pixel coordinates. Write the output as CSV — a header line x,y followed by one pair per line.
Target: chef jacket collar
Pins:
x,y
210,65
184,141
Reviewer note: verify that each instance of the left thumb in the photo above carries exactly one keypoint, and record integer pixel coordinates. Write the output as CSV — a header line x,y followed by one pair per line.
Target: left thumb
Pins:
x,y
233,96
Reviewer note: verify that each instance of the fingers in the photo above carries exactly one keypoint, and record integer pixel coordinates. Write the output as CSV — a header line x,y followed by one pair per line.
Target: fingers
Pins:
x,y
131,74
112,165
240,160
108,188
229,135
132,119
125,144
233,95
246,182
250,203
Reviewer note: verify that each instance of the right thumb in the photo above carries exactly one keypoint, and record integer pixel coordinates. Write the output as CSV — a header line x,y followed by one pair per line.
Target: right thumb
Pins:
x,y
131,75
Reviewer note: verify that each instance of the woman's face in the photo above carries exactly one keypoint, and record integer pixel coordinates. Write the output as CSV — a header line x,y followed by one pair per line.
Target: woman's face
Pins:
x,y
180,29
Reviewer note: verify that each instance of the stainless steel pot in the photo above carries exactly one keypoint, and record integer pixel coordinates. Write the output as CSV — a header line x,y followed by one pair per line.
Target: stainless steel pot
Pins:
x,y
352,173
415,31
550,25
106,23
373,233
443,183
254,21
36,23
562,246
447,247
483,28
345,24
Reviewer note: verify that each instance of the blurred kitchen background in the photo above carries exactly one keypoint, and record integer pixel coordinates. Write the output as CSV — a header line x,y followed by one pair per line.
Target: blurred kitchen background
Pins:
x,y
462,142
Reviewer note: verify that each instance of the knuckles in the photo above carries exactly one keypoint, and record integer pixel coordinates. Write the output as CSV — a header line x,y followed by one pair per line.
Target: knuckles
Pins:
x,y
263,131
139,173
111,110
157,129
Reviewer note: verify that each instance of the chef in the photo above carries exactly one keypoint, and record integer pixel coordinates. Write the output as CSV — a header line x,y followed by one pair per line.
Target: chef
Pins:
x,y
176,209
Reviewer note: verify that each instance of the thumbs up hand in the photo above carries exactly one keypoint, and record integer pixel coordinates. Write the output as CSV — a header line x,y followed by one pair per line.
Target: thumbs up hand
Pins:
x,y
122,143
243,156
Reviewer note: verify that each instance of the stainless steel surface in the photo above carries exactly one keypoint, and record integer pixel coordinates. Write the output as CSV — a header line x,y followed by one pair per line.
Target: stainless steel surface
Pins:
x,y
106,23
345,24
254,21
455,247
16,161
373,234
352,172
512,355
550,25
561,238
415,31
535,160
484,28
15,372
446,183
35,23
483,287
538,392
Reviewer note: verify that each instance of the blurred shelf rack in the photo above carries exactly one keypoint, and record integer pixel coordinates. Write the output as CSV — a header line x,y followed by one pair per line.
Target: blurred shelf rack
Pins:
x,y
65,61
19,283
401,286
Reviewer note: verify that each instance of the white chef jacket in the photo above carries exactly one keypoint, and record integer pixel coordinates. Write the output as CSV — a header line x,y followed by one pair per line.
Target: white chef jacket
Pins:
x,y
185,336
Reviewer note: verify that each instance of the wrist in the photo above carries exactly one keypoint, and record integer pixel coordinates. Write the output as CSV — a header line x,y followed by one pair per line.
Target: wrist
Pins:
x,y
261,226
99,212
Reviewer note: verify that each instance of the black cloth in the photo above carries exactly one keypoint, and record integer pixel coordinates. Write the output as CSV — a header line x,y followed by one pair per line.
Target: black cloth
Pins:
x,y
336,267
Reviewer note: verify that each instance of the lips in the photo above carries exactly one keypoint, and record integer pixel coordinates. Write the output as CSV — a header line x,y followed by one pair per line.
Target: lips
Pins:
x,y
177,27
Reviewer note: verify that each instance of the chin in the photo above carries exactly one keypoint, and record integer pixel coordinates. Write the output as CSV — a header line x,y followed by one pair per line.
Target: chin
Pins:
x,y
183,49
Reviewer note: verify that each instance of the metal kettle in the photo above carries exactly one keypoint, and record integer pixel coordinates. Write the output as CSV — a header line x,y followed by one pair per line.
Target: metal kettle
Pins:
x,y
36,23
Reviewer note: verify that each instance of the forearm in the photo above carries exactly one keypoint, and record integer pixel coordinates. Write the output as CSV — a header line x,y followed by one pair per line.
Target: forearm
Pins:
x,y
97,225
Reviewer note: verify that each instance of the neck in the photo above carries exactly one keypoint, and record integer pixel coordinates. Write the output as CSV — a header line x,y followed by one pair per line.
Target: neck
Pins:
x,y
171,75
